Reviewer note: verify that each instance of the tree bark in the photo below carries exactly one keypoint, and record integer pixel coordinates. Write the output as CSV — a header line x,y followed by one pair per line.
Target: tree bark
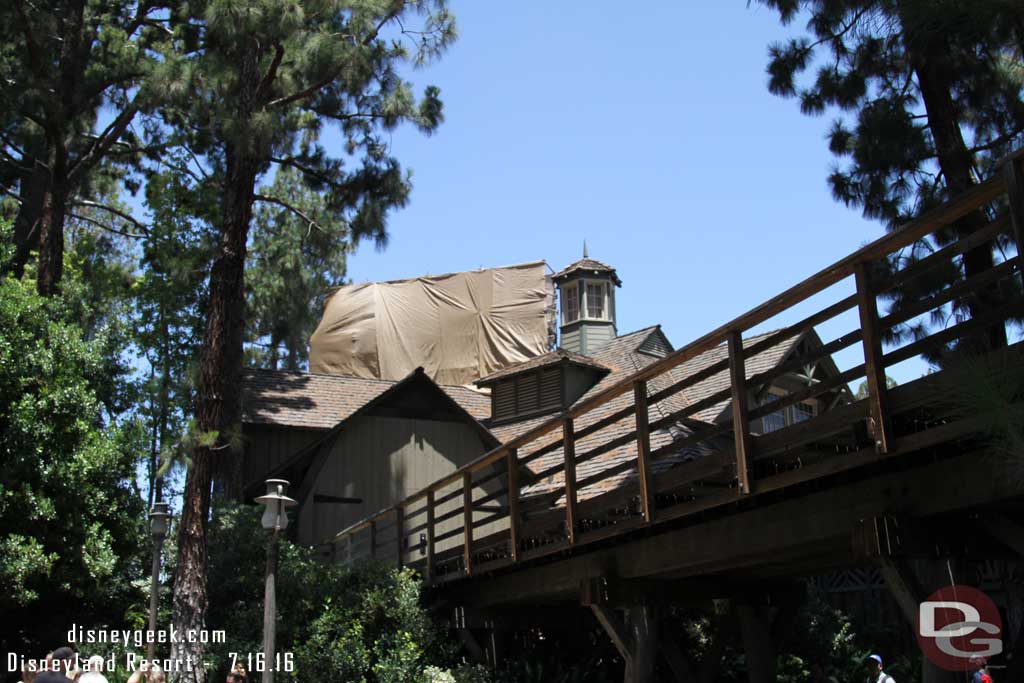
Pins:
x,y
51,238
218,407
928,54
34,186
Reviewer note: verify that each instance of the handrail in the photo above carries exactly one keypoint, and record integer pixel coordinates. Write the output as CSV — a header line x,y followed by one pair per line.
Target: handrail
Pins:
x,y
852,264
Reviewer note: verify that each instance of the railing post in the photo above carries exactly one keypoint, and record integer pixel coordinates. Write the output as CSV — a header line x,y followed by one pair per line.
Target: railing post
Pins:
x,y
740,421
467,521
400,531
512,460
373,539
569,451
873,364
1014,174
643,450
430,535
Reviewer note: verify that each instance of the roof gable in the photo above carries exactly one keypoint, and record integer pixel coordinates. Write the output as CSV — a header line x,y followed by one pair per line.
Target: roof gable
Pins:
x,y
416,397
317,401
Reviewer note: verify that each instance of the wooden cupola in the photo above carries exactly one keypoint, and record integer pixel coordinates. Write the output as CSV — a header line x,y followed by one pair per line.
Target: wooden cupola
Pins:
x,y
586,294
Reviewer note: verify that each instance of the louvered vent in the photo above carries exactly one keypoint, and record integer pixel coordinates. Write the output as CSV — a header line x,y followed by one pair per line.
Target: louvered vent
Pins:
x,y
529,394
504,397
551,389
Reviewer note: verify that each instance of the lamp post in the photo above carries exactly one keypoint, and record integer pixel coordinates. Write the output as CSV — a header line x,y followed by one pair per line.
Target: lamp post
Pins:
x,y
158,522
275,520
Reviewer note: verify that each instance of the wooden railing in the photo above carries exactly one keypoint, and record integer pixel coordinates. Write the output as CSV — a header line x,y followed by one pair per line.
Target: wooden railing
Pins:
x,y
508,507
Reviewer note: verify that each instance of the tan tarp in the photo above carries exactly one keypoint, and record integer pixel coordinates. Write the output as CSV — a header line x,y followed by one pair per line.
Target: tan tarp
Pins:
x,y
457,327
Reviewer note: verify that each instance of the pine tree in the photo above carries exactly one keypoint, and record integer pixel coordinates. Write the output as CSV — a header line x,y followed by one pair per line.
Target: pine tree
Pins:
x,y
293,262
929,95
169,296
263,81
65,60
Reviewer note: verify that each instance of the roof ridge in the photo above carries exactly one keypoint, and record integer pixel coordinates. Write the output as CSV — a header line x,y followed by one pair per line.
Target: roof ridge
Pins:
x,y
346,377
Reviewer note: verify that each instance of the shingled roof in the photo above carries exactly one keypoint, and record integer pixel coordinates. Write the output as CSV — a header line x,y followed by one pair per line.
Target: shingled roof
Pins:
x,y
551,358
624,357
586,265
315,401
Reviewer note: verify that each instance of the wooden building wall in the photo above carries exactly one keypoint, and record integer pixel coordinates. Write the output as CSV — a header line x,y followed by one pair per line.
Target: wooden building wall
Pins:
x,y
381,460
267,446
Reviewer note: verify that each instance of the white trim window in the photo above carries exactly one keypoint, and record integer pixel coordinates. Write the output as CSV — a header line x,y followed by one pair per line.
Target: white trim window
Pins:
x,y
570,304
788,416
597,303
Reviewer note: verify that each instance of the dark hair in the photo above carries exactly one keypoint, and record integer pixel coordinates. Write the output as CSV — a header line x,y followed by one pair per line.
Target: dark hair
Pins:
x,y
63,653
236,677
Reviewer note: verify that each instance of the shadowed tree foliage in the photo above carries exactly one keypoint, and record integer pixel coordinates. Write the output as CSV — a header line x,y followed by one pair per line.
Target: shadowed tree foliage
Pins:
x,y
293,262
64,61
262,83
929,99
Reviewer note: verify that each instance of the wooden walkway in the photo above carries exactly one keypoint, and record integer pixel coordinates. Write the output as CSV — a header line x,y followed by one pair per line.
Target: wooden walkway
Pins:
x,y
914,432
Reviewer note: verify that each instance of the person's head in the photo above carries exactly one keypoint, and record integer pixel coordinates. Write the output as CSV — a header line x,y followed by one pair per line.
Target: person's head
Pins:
x,y
63,659
874,663
28,674
235,677
239,669
977,663
156,675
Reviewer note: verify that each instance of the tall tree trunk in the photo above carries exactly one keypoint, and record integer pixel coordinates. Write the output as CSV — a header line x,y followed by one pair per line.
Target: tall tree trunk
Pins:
x,y
927,51
33,190
51,239
218,404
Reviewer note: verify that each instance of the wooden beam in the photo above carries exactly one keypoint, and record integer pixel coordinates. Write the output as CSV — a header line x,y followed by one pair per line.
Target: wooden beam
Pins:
x,y
740,421
903,585
681,670
399,535
873,364
430,535
513,503
643,629
643,451
812,530
755,632
467,522
569,452
616,630
1014,174
373,540
473,649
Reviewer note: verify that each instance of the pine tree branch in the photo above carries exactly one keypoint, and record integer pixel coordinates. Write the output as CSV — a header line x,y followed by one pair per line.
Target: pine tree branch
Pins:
x,y
285,205
104,226
35,57
4,190
1002,139
302,94
312,90
101,145
268,78
117,212
307,170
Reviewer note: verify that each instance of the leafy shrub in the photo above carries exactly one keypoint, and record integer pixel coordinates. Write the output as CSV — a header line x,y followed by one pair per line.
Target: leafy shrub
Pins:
x,y
364,624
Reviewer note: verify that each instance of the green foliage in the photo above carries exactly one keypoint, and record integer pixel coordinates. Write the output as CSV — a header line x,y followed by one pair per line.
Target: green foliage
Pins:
x,y
883,66
365,624
70,525
292,263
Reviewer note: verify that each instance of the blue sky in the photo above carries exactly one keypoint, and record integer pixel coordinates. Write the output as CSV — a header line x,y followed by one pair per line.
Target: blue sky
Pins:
x,y
649,133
